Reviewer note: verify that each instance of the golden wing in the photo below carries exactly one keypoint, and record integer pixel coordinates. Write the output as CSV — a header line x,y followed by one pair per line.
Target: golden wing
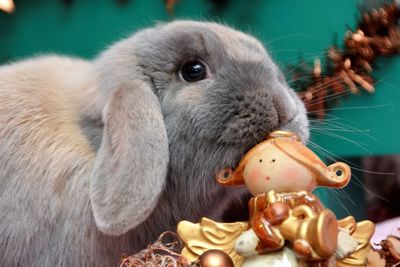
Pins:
x,y
361,231
207,234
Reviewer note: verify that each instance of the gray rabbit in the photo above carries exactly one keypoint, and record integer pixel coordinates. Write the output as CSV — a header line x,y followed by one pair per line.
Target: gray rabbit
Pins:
x,y
97,158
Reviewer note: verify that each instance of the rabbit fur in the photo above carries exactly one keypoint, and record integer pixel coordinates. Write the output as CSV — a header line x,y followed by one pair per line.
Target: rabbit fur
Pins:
x,y
98,157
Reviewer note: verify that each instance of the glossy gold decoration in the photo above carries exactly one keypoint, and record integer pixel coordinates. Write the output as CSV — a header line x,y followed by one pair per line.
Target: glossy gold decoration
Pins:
x,y
215,258
281,173
312,230
315,236
206,235
362,232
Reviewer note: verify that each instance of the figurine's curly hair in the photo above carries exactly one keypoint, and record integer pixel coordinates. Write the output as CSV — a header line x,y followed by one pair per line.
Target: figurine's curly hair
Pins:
x,y
335,175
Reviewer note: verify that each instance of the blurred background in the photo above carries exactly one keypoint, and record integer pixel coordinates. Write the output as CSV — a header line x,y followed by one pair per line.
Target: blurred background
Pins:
x,y
362,130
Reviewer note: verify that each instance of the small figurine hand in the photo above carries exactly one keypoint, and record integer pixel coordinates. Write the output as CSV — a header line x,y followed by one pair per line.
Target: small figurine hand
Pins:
x,y
276,213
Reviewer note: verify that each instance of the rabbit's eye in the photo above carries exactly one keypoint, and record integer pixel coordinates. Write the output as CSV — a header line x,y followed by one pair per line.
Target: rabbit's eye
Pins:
x,y
193,71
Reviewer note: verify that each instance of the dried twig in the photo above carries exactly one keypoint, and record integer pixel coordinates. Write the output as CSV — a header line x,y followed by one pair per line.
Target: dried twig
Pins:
x,y
161,253
377,34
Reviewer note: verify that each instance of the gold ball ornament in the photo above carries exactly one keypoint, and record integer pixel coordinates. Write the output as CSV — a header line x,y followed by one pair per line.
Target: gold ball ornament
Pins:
x,y
215,258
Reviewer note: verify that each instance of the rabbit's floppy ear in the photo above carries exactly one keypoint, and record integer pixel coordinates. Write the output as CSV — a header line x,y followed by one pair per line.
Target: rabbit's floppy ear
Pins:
x,y
131,165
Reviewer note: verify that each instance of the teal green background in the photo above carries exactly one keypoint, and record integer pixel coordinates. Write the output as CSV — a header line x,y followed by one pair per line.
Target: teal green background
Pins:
x,y
358,125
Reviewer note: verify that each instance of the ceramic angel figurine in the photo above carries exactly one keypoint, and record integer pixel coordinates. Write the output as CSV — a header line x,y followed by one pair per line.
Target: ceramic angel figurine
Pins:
x,y
281,173
286,219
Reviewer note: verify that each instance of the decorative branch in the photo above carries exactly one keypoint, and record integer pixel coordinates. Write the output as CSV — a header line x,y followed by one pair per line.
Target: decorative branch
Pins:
x,y
165,252
349,69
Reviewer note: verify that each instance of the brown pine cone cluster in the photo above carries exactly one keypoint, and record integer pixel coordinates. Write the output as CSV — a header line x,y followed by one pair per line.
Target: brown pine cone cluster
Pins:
x,y
349,69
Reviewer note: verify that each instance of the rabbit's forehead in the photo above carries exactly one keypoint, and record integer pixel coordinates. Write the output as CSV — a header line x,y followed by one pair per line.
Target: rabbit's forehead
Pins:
x,y
239,45
216,37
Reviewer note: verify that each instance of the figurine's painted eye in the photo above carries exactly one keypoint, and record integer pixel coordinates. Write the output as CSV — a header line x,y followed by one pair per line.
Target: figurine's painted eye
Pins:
x,y
339,173
260,160
273,160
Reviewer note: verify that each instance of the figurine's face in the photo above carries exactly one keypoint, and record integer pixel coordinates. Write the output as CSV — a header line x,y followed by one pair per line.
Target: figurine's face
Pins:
x,y
272,169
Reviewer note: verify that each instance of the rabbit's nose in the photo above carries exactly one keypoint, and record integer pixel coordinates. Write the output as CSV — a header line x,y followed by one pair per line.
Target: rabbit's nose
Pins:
x,y
255,117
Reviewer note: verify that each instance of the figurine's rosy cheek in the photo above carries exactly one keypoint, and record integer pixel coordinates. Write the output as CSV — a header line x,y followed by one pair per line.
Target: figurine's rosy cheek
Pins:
x,y
255,174
290,173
